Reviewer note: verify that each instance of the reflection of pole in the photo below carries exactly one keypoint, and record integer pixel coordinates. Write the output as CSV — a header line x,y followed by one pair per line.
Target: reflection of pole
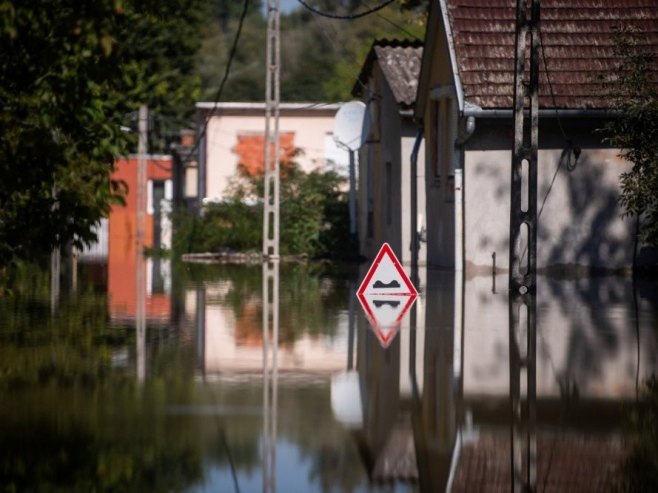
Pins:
x,y
140,287
55,267
352,197
270,372
523,278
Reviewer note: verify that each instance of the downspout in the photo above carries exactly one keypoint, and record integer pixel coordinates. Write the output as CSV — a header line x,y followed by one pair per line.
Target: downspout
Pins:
x,y
415,243
469,129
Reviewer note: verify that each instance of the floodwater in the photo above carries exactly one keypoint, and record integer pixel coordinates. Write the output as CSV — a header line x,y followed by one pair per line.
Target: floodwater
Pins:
x,y
205,400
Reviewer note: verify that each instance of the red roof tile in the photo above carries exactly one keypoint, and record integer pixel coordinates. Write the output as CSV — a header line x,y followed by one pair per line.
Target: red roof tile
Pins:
x,y
578,48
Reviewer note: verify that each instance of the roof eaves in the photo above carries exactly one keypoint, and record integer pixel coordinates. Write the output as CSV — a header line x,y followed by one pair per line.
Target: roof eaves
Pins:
x,y
453,55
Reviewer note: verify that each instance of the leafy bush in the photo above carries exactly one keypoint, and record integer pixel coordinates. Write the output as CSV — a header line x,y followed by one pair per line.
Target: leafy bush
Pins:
x,y
314,219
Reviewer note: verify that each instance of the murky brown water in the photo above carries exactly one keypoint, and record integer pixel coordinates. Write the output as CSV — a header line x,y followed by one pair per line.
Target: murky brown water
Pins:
x,y
88,404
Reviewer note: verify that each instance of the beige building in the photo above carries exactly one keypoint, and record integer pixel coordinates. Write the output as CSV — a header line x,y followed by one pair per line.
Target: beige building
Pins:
x,y
235,136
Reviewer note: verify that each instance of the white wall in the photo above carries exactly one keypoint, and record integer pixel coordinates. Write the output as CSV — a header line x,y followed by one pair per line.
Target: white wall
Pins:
x,y
222,136
579,221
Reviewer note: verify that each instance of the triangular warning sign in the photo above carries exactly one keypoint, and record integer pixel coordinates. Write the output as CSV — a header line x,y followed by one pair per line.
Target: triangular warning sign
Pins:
x,y
386,276
386,295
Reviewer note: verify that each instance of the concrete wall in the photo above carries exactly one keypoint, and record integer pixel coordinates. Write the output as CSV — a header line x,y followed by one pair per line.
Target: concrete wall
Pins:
x,y
579,225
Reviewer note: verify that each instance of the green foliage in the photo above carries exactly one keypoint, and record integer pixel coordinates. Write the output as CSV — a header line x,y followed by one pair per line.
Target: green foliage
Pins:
x,y
635,131
320,57
70,75
78,421
313,218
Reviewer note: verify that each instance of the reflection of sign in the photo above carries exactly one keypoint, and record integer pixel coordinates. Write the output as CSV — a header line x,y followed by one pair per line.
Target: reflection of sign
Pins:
x,y
386,294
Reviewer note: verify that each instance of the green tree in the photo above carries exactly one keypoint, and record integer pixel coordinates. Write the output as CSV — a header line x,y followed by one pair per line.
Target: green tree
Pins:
x,y
71,74
635,130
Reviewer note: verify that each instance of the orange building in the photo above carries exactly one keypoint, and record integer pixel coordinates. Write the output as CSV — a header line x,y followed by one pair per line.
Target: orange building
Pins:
x,y
122,260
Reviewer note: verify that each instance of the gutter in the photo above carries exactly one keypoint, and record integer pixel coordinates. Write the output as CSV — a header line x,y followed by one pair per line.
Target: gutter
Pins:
x,y
415,240
477,112
311,106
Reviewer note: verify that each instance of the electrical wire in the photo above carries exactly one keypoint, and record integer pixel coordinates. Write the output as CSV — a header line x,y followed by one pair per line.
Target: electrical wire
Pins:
x,y
372,95
220,90
346,16
395,25
550,88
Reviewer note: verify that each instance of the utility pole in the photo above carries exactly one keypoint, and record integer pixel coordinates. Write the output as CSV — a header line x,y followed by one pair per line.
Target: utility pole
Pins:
x,y
140,285
272,91
271,248
523,271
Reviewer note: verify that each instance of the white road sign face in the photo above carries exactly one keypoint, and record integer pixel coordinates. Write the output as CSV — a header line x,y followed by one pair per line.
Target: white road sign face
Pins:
x,y
386,295
386,276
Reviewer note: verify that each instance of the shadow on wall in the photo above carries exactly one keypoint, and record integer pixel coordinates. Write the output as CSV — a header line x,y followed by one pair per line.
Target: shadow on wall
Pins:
x,y
592,233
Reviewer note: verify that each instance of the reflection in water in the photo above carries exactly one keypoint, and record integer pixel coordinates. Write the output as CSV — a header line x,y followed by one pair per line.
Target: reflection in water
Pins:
x,y
270,371
338,412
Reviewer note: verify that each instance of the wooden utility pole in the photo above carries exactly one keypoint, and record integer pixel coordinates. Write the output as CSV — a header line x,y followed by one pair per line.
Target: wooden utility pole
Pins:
x,y
523,234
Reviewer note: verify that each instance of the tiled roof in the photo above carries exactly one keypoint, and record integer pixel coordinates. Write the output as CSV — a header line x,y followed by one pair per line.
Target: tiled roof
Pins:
x,y
400,62
578,44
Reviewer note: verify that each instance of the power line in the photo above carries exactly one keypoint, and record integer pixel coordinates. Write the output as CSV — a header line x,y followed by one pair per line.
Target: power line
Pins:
x,y
371,94
395,25
346,16
218,95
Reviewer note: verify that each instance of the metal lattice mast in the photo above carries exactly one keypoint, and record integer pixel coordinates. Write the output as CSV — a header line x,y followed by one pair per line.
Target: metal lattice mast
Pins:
x,y
271,199
523,237
271,248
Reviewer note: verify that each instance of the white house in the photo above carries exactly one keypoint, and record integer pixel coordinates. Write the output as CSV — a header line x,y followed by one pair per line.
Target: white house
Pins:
x,y
465,102
235,137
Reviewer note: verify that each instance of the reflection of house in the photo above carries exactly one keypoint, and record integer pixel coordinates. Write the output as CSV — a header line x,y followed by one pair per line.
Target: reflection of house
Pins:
x,y
388,83
231,341
588,364
465,101
122,275
235,139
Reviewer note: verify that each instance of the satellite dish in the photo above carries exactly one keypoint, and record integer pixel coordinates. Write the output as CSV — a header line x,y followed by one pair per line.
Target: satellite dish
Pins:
x,y
352,125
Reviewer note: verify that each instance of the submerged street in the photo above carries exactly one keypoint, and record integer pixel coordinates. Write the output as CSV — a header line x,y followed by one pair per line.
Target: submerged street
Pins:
x,y
205,401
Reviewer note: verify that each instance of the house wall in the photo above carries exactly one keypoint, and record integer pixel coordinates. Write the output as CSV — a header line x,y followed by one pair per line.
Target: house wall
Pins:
x,y
122,277
579,216
439,191
310,130
384,177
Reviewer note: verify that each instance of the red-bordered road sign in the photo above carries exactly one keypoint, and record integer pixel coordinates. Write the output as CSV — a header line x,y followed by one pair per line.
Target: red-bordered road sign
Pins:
x,y
386,295
386,276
